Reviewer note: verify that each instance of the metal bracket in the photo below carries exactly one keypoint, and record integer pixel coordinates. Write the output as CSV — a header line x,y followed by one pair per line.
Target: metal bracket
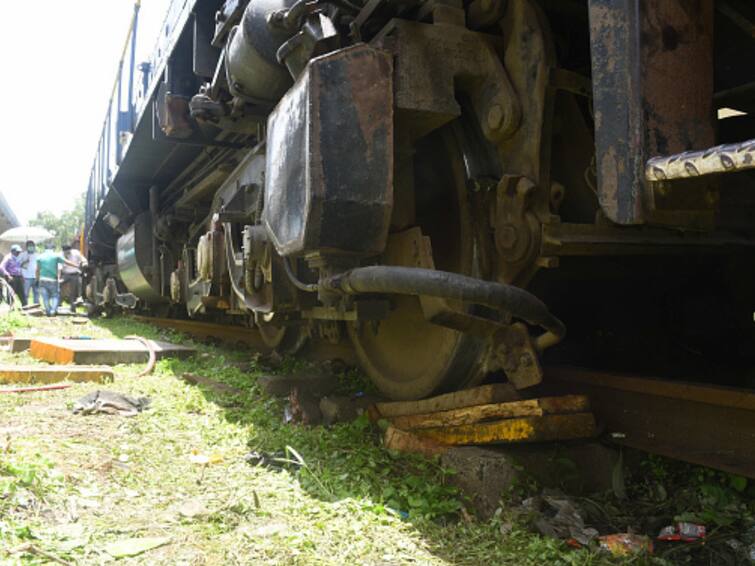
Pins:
x,y
517,228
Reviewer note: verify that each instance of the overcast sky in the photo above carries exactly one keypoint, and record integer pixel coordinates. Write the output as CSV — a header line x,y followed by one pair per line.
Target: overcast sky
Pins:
x,y
59,60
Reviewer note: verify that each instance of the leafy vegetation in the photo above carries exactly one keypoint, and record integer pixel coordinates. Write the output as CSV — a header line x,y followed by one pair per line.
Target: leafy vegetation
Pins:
x,y
11,321
65,225
174,481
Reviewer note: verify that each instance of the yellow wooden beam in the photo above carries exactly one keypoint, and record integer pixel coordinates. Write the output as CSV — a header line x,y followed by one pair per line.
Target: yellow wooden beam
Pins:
x,y
525,429
470,415
493,393
403,441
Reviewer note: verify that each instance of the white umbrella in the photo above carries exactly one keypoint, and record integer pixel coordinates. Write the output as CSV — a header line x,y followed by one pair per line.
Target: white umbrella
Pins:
x,y
22,234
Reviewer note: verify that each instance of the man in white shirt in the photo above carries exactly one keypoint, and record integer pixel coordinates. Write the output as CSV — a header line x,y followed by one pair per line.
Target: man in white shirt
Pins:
x,y
28,259
71,285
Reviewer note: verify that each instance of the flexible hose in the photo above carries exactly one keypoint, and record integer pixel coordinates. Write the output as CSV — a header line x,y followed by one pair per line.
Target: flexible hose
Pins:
x,y
152,354
306,287
442,284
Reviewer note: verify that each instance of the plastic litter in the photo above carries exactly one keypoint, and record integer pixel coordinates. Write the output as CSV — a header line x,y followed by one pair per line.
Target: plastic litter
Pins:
x,y
558,517
682,531
111,403
625,544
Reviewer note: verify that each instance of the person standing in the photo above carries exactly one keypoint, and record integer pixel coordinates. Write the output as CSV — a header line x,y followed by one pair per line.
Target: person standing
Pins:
x,y
48,269
28,260
71,285
10,268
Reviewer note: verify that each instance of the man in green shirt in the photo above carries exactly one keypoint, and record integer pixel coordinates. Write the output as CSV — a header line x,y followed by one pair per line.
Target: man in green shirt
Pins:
x,y
48,265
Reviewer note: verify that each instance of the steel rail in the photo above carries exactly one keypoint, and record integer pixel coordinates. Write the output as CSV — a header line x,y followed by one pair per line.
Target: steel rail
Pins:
x,y
703,424
249,337
699,423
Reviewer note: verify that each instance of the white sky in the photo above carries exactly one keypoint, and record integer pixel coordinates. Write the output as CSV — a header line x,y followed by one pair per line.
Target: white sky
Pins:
x,y
59,60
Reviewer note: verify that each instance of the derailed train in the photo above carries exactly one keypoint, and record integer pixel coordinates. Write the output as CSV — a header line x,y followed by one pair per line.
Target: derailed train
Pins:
x,y
444,184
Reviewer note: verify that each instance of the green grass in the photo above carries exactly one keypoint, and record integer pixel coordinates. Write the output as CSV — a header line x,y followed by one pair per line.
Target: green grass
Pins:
x,y
71,485
12,321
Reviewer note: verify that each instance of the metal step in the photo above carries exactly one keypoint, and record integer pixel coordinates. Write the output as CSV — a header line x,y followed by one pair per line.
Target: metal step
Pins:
x,y
728,158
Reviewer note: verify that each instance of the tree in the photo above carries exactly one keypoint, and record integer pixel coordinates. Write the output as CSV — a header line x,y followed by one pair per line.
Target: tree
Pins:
x,y
66,226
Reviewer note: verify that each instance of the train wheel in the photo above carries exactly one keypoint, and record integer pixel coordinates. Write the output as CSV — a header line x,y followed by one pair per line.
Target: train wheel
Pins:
x,y
406,356
283,339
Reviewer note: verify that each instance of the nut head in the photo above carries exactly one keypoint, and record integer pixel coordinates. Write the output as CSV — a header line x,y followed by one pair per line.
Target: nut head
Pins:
x,y
495,117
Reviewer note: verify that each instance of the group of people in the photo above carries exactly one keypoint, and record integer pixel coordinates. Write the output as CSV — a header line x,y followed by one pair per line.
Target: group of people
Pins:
x,y
44,275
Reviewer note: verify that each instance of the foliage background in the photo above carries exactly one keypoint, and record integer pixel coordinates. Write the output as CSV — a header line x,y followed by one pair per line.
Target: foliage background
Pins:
x,y
66,225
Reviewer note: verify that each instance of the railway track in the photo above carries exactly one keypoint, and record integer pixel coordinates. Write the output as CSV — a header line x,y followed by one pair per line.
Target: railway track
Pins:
x,y
698,423
249,337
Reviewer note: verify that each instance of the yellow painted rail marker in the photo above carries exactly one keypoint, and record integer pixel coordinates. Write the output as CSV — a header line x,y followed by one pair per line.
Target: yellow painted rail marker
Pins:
x,y
102,351
54,374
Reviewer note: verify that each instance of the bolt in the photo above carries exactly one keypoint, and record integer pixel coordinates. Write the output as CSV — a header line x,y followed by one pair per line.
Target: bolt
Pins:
x,y
525,360
506,236
495,117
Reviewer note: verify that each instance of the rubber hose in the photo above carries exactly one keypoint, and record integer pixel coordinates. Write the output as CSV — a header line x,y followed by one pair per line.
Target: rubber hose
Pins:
x,y
152,355
454,286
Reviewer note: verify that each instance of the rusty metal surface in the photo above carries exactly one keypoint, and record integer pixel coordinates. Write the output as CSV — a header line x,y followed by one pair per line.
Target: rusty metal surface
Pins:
x,y
571,239
329,182
436,62
523,205
728,158
703,424
652,86
619,148
676,49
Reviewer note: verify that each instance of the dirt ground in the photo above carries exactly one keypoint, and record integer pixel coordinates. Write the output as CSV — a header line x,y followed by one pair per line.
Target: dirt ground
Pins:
x,y
172,485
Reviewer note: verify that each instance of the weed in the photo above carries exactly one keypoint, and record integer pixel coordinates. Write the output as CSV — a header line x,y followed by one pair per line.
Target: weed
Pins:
x,y
12,321
339,497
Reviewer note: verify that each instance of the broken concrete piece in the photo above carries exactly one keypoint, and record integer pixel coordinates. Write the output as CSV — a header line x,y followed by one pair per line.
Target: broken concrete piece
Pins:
x,y
53,374
343,409
562,465
282,385
106,351
19,344
483,475
337,409
304,407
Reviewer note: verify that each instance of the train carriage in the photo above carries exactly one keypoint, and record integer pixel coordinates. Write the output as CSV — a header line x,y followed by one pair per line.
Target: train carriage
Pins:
x,y
445,186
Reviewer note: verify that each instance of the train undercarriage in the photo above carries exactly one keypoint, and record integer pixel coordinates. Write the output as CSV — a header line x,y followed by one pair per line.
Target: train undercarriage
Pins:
x,y
447,186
